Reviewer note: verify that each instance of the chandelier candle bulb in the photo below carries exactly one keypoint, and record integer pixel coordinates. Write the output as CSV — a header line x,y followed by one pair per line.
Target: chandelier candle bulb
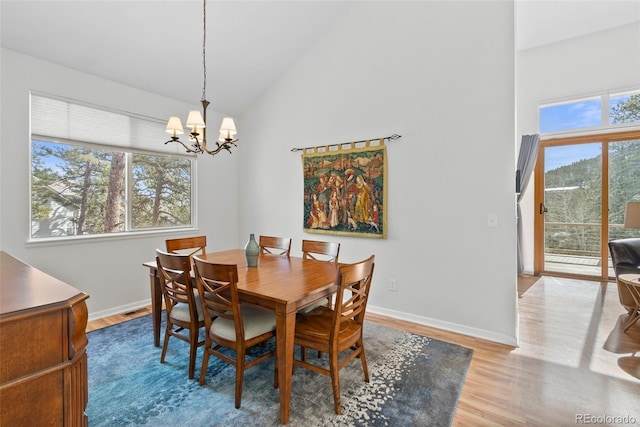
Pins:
x,y
174,126
227,130
195,120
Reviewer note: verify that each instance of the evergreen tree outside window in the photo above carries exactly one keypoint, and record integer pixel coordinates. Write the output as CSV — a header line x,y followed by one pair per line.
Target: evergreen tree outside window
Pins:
x,y
625,108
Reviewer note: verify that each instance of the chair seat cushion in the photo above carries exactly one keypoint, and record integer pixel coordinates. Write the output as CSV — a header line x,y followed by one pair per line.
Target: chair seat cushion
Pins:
x,y
180,311
256,322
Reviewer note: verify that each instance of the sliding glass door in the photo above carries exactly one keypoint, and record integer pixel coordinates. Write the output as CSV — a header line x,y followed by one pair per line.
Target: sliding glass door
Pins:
x,y
582,185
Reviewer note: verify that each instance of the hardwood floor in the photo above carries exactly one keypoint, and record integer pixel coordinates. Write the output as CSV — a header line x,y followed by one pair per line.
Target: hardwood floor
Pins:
x,y
574,362
117,318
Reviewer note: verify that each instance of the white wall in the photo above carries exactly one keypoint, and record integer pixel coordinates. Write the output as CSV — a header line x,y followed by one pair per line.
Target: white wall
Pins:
x,y
109,270
441,74
593,64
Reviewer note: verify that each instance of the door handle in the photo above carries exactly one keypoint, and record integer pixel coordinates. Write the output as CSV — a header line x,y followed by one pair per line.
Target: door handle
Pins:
x,y
543,208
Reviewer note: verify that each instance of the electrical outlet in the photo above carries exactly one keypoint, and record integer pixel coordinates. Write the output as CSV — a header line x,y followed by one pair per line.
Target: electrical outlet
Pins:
x,y
393,285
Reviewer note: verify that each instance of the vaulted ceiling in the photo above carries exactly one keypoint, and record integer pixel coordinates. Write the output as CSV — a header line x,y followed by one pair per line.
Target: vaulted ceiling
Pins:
x,y
157,45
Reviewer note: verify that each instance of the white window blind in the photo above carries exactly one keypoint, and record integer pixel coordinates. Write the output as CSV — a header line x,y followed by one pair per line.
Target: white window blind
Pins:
x,y
74,121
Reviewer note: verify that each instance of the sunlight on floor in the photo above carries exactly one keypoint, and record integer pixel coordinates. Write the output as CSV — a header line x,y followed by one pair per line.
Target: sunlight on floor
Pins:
x,y
593,341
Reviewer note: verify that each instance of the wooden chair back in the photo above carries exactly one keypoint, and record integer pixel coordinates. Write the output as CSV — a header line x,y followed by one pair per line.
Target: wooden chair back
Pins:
x,y
275,245
354,279
325,251
322,251
218,286
184,316
187,245
175,277
218,289
338,330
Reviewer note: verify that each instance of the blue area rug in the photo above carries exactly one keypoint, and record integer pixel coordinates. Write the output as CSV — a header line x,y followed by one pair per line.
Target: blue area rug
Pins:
x,y
414,381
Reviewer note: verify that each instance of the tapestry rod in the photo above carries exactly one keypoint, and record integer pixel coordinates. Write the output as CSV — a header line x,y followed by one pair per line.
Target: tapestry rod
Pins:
x,y
388,138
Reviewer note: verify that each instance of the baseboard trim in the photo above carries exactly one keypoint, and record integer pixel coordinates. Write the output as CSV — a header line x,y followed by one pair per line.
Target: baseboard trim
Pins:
x,y
421,320
511,341
119,310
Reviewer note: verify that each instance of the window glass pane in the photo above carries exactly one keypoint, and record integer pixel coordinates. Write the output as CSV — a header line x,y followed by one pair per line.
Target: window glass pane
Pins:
x,y
575,115
572,197
624,185
161,191
78,190
75,190
625,108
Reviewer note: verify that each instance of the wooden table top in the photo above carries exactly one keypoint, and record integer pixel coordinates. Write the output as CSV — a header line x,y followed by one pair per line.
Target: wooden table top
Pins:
x,y
282,279
277,278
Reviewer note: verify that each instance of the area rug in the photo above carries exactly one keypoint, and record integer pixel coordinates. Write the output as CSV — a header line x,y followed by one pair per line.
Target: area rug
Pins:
x,y
414,381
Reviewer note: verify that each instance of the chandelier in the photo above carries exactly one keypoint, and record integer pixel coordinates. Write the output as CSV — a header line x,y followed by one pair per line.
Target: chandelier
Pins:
x,y
197,121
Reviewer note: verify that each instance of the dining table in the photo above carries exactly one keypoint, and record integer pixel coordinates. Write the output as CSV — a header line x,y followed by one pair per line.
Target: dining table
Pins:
x,y
283,284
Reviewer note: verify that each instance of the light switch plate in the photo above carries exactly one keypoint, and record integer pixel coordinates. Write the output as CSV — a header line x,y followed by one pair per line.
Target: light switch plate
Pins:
x,y
492,220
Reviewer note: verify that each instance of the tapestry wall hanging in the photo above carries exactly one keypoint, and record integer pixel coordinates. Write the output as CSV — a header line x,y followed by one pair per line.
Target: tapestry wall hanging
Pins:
x,y
345,189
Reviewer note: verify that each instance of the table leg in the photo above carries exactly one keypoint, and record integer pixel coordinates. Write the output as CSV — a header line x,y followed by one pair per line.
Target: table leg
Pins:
x,y
285,330
156,304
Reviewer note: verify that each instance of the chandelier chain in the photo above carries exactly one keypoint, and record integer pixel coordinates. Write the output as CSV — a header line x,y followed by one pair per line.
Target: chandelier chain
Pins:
x,y
204,50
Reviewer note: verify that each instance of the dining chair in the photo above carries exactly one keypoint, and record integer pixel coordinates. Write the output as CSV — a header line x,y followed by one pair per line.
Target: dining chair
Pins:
x,y
187,245
275,245
230,324
338,330
322,251
184,313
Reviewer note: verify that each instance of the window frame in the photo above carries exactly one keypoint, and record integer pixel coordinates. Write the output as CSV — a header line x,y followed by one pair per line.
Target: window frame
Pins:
x,y
606,139
128,231
605,114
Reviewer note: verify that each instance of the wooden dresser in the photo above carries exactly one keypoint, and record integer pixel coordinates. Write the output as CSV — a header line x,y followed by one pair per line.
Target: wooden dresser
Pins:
x,y
43,363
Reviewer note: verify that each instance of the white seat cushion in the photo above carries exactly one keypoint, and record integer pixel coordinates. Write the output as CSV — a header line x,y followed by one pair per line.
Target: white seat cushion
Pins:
x,y
256,322
180,311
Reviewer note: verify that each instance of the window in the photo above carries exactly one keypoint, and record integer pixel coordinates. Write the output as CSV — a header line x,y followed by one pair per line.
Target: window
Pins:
x,y
583,184
625,108
573,115
584,180
93,173
605,111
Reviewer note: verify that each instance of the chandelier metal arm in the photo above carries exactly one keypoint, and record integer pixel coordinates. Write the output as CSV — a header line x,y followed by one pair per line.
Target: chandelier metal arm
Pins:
x,y
226,145
188,150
